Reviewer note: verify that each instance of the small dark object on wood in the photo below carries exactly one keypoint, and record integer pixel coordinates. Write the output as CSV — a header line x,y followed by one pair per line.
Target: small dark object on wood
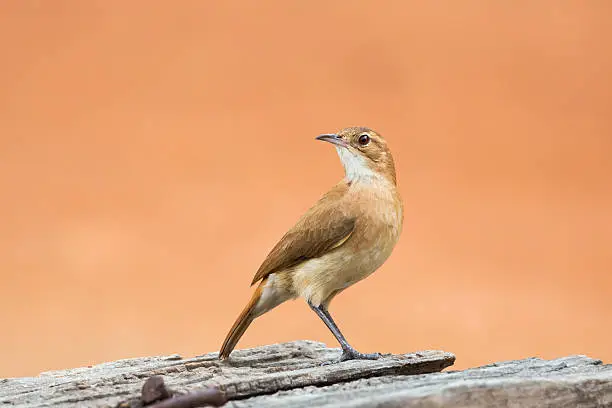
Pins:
x,y
154,389
206,397
155,394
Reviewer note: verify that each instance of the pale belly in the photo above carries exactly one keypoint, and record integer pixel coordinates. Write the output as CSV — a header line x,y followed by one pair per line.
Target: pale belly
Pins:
x,y
318,279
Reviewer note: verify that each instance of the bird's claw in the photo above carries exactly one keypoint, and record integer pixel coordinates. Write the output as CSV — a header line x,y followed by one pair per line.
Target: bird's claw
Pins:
x,y
354,355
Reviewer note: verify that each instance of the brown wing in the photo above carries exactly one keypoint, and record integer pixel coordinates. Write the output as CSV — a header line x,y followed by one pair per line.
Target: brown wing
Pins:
x,y
325,226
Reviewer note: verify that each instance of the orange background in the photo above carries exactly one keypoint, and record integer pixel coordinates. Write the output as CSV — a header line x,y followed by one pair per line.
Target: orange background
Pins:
x,y
153,152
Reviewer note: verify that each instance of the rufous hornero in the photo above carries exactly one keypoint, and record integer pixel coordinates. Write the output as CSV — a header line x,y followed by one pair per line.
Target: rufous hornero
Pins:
x,y
348,234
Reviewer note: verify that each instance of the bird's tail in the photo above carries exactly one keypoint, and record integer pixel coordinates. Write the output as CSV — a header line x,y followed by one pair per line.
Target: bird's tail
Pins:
x,y
243,321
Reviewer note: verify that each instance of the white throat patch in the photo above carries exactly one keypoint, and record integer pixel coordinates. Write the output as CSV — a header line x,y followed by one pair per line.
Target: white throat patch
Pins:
x,y
355,166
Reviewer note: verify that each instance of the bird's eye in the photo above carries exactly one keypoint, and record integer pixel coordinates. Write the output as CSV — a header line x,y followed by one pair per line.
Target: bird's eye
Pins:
x,y
364,139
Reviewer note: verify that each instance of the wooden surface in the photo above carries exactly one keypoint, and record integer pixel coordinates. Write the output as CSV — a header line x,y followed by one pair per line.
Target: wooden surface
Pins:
x,y
291,375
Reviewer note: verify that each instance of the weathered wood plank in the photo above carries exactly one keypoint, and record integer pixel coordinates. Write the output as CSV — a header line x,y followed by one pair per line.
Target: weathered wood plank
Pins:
x,y
575,381
291,375
248,373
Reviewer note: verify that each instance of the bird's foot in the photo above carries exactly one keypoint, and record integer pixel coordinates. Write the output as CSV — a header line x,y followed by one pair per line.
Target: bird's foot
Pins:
x,y
354,355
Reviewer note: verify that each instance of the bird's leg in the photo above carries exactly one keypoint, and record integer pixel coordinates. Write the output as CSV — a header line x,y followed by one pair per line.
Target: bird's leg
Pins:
x,y
348,352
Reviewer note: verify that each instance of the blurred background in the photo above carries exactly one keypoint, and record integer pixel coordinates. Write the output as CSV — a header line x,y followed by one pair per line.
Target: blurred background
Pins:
x,y
152,153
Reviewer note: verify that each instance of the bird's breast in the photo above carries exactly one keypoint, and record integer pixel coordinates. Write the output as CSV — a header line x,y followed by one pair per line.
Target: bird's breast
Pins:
x,y
377,230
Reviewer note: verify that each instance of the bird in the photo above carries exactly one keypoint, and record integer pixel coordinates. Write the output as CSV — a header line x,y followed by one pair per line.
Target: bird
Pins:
x,y
342,239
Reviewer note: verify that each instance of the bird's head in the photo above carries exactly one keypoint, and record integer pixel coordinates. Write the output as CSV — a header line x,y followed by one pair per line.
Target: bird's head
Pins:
x,y
364,154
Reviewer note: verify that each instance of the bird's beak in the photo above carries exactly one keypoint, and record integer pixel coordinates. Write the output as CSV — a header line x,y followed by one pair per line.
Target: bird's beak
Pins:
x,y
333,139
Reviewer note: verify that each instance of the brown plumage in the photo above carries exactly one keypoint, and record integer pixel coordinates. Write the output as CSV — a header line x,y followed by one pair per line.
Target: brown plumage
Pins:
x,y
339,241
322,228
242,322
